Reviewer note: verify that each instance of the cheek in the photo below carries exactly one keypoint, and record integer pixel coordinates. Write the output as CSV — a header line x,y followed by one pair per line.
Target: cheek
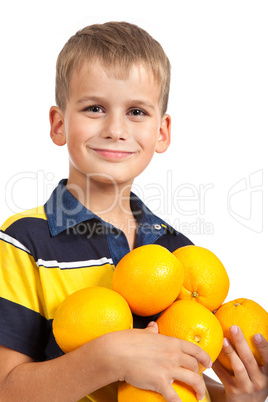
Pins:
x,y
76,134
149,145
75,145
148,136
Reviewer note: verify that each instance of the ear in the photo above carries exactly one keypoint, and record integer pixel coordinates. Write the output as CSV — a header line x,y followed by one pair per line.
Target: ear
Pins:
x,y
164,134
57,131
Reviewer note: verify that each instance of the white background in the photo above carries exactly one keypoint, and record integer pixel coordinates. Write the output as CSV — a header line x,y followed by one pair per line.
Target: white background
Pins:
x,y
218,103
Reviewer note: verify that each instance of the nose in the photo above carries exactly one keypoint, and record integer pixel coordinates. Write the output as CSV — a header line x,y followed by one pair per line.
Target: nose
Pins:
x,y
115,128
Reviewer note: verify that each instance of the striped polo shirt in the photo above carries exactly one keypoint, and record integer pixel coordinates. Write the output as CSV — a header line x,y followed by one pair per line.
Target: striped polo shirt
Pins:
x,y
50,252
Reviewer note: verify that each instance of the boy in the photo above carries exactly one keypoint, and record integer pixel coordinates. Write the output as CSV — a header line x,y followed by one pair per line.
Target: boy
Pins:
x,y
111,90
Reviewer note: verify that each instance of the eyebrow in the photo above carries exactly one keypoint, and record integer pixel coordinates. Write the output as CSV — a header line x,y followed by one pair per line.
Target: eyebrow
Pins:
x,y
90,99
98,99
141,103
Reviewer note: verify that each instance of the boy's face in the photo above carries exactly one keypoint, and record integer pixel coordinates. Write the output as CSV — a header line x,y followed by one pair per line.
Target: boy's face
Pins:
x,y
112,126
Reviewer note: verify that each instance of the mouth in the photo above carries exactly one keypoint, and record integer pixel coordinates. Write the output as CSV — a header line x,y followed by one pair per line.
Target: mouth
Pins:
x,y
112,154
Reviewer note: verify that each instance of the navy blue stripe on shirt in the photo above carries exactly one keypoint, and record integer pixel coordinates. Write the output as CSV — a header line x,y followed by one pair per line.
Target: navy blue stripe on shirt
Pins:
x,y
68,246
34,340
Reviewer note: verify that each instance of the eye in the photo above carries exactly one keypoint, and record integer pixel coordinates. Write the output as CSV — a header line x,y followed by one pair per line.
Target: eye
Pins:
x,y
136,112
94,109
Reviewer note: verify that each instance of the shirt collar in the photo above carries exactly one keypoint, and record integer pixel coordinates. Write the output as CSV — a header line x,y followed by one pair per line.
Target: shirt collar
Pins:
x,y
64,211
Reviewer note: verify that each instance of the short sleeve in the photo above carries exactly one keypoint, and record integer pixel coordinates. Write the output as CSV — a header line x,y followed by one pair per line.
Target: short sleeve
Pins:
x,y
23,326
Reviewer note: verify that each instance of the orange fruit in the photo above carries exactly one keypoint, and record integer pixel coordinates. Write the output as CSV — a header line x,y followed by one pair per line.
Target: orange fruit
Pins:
x,y
150,278
190,321
89,313
250,317
129,393
205,278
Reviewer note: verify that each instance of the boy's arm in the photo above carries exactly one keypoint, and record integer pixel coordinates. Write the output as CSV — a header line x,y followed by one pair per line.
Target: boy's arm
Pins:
x,y
215,389
142,357
67,378
249,381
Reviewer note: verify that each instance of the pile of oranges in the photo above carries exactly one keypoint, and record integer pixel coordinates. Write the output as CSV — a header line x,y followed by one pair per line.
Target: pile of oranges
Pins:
x,y
188,287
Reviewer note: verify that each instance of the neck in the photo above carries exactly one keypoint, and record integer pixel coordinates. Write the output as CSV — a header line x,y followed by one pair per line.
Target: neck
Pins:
x,y
110,201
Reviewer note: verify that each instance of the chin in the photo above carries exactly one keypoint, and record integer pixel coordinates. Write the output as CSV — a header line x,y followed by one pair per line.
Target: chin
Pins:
x,y
109,178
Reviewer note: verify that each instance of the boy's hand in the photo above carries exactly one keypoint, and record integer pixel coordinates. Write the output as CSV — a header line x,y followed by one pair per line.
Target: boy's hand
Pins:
x,y
152,361
249,381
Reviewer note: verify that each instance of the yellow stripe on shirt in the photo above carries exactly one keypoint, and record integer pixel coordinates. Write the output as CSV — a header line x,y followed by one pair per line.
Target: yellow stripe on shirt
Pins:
x,y
59,283
21,277
37,212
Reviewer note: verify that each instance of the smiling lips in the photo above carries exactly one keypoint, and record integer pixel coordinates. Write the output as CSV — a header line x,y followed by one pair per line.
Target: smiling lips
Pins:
x,y
109,154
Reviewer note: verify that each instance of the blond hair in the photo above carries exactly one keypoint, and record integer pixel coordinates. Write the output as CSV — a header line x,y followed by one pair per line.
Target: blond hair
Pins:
x,y
114,44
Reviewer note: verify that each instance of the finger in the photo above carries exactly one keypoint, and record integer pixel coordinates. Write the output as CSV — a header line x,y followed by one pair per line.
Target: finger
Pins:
x,y
262,346
192,379
237,365
223,374
152,327
198,353
187,347
170,394
189,362
244,353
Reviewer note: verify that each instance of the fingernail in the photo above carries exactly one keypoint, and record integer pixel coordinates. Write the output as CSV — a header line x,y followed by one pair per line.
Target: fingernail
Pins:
x,y
151,324
234,329
201,396
225,342
257,338
210,364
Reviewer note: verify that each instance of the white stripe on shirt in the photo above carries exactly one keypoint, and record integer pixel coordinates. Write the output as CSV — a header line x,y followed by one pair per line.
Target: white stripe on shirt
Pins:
x,y
73,264
14,242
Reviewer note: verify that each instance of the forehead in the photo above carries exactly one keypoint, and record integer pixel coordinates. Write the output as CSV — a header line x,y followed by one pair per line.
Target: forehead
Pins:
x,y
88,69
